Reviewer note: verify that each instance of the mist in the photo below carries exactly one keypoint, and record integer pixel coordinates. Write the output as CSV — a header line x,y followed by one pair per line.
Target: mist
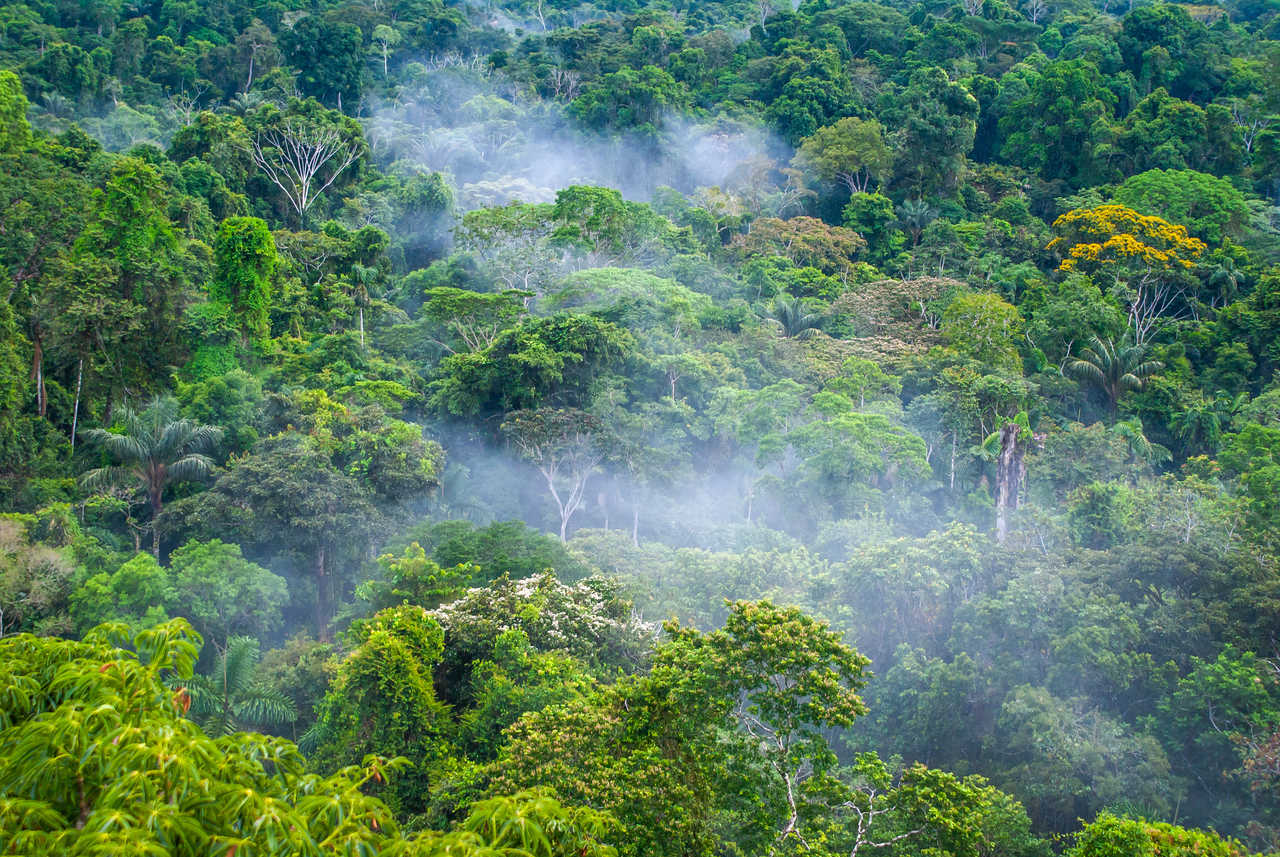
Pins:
x,y
498,143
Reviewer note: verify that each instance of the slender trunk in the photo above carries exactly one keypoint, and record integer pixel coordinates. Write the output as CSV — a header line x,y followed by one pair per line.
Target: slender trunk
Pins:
x,y
75,411
249,83
37,371
322,613
84,804
635,524
156,499
564,526
362,327
953,461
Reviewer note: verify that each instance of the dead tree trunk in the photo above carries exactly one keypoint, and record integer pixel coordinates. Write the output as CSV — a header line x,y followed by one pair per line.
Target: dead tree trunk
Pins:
x,y
1011,472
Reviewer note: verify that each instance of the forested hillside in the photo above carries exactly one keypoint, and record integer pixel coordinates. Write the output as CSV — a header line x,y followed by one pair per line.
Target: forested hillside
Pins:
x,y
535,428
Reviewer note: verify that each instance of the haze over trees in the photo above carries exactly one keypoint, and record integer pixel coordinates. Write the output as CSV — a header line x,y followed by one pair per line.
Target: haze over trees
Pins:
x,y
615,430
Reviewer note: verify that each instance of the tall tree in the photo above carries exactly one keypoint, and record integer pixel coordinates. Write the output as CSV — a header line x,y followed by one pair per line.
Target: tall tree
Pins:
x,y
1114,367
303,159
245,259
852,151
154,449
566,446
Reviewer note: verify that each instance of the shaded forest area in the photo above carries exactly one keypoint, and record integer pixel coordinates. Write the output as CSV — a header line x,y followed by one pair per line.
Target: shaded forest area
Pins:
x,y
536,428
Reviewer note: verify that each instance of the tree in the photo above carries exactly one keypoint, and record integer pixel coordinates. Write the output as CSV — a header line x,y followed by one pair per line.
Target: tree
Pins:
x,y
256,49
35,582
388,37
287,496
851,151
224,594
245,259
565,445
329,55
15,132
1210,207
806,241
1059,126
1110,834
412,578
790,677
382,700
629,99
231,698
1114,367
134,264
862,379
303,159
138,777
514,241
794,316
1139,255
155,449
934,122
986,327
473,318
536,362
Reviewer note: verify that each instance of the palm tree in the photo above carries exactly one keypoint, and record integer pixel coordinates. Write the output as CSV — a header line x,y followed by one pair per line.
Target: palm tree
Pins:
x,y
155,448
1141,448
232,698
915,215
1116,368
790,313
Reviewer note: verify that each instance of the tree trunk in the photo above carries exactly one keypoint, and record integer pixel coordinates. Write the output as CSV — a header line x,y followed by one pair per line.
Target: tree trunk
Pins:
x,y
1011,470
322,613
156,502
37,372
635,524
952,476
75,411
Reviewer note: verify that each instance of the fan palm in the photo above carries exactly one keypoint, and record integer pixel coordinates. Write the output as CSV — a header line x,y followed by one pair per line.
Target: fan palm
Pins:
x,y
232,699
155,448
915,215
1115,368
791,314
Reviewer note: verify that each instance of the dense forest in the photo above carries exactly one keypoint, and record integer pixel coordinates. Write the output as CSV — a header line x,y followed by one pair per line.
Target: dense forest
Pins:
x,y
640,428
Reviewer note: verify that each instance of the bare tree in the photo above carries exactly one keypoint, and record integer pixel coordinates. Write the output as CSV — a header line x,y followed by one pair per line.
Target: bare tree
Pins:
x,y
1036,10
185,105
1251,119
565,447
303,160
1150,301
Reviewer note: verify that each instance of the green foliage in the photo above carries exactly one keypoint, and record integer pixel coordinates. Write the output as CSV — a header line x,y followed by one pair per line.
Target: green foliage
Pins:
x,y
985,327
224,594
245,255
382,699
561,355
1111,835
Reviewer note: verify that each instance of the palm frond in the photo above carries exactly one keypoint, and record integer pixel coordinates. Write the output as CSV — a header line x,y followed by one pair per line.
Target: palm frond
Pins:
x,y
1087,370
193,466
266,706
238,663
122,447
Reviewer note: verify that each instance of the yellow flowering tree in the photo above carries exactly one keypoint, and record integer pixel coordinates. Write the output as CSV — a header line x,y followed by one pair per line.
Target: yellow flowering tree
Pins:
x,y
1140,255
